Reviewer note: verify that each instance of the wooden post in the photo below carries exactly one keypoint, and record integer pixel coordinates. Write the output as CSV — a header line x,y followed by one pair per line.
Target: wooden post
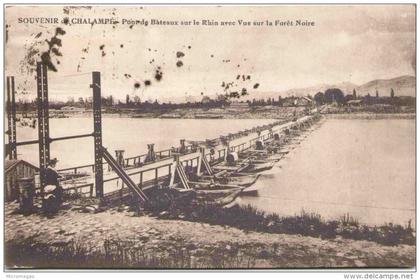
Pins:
x,y
173,173
182,149
200,160
119,155
151,155
141,179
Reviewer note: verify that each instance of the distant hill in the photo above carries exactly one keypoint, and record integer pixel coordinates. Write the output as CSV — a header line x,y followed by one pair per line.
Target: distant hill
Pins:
x,y
346,87
403,86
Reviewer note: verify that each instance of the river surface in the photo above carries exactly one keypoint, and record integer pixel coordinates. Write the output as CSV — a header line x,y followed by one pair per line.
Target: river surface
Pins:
x,y
129,134
362,167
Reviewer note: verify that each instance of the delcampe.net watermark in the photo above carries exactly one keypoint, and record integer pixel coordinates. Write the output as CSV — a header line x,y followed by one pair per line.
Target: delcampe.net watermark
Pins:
x,y
387,276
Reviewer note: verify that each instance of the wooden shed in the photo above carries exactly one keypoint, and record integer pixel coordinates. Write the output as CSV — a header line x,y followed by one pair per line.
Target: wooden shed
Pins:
x,y
14,170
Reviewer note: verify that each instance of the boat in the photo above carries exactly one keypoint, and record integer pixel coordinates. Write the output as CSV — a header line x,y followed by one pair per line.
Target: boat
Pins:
x,y
258,167
219,196
276,157
226,200
241,180
253,163
222,192
251,191
232,168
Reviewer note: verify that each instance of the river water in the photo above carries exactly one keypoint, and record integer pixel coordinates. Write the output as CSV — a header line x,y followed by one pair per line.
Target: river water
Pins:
x,y
362,167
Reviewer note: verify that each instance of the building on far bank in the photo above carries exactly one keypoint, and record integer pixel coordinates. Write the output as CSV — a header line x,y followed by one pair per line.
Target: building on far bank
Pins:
x,y
304,101
355,103
236,106
289,101
292,101
72,109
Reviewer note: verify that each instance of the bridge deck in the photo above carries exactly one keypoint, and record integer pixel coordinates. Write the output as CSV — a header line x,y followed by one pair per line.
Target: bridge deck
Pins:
x,y
154,173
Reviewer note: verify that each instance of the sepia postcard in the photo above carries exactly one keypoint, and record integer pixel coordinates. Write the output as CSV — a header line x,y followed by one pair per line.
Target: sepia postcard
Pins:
x,y
202,137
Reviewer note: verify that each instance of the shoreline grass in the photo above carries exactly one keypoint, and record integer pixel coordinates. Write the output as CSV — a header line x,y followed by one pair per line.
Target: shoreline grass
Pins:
x,y
117,254
307,224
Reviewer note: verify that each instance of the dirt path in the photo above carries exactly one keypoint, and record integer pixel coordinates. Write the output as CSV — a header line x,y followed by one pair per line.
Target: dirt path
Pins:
x,y
205,245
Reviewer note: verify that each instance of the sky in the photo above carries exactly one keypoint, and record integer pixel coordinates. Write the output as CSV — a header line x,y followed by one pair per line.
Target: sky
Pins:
x,y
354,44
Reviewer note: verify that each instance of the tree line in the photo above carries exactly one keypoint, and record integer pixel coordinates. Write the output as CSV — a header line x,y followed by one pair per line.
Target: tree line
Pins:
x,y
337,96
333,95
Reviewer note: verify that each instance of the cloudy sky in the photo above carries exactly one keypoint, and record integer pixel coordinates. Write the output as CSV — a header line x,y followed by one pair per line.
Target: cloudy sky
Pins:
x,y
347,43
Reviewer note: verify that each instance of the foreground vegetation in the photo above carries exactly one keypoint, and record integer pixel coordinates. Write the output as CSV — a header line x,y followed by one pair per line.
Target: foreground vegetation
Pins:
x,y
307,224
121,238
116,253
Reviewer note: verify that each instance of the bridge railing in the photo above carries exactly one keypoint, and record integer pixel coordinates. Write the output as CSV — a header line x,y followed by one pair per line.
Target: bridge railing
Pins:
x,y
139,160
145,177
134,161
86,190
240,147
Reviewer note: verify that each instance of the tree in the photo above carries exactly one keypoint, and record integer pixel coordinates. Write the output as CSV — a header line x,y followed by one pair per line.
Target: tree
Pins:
x,y
334,95
349,97
25,106
368,99
137,100
110,100
70,101
127,99
319,98
280,101
354,93
104,101
392,93
205,99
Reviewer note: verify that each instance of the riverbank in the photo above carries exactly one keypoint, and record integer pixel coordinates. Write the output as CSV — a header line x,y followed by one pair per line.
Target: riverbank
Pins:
x,y
119,238
371,116
266,112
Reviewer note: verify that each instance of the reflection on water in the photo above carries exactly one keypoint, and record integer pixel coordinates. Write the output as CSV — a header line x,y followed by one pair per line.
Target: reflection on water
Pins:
x,y
129,134
362,167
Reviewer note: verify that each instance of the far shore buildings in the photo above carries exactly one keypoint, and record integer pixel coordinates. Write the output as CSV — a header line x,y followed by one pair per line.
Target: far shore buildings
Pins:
x,y
70,109
304,101
236,106
355,103
298,102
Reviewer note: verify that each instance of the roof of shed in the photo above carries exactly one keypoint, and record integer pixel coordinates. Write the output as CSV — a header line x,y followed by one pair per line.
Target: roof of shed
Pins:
x,y
12,163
